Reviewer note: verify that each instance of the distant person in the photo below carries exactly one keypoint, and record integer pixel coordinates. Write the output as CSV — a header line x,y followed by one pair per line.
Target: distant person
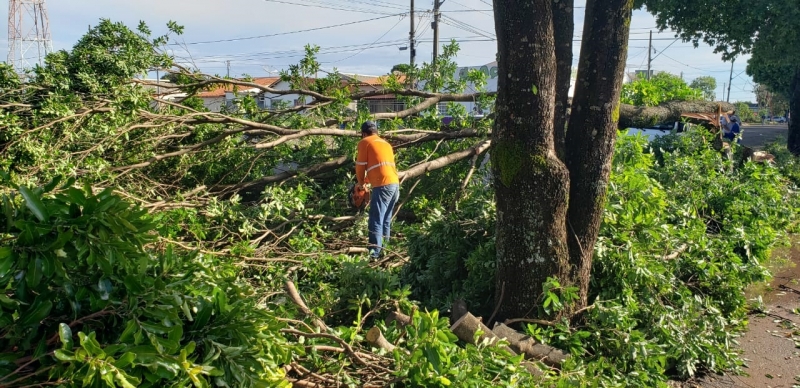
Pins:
x,y
375,163
731,125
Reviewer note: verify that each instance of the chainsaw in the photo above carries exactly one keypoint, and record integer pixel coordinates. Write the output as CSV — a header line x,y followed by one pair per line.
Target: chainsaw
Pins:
x,y
358,197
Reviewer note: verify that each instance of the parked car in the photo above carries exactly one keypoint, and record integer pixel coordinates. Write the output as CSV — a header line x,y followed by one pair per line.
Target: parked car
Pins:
x,y
780,119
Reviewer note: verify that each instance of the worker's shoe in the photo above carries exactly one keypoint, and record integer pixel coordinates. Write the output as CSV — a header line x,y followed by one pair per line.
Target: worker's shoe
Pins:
x,y
379,256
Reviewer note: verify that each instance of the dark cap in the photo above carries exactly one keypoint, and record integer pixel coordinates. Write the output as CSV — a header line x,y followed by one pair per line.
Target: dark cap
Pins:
x,y
369,126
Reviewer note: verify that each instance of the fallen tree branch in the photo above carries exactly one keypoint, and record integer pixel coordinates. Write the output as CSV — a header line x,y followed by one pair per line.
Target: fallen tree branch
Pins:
x,y
674,255
311,171
347,348
465,183
527,320
291,290
526,345
376,338
670,111
445,160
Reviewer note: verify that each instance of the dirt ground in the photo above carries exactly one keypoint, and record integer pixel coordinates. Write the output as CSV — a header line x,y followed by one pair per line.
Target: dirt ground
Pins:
x,y
771,346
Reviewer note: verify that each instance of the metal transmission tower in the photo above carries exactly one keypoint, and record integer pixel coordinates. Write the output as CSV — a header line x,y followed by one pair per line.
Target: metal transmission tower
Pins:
x,y
29,38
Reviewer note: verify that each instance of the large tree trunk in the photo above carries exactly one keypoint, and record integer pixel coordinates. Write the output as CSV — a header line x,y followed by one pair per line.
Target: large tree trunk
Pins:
x,y
593,129
794,110
563,28
532,185
632,116
531,182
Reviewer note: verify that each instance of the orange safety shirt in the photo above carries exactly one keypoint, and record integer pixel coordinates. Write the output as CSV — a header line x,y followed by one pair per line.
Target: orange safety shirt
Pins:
x,y
376,160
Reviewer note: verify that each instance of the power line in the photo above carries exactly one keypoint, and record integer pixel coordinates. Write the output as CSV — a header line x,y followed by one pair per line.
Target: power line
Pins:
x,y
471,9
290,32
466,27
370,45
330,7
255,57
662,51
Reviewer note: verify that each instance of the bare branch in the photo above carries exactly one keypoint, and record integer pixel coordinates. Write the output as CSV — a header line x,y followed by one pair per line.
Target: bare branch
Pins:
x,y
291,290
445,160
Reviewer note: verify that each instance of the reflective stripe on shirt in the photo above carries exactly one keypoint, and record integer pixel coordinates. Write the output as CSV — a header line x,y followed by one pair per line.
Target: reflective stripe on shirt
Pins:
x,y
380,164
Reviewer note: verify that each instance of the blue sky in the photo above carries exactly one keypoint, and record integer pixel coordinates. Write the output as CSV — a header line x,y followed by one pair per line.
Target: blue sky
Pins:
x,y
260,36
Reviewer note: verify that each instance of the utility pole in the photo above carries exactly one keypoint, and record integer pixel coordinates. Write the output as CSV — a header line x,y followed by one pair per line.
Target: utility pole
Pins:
x,y
649,54
435,25
730,81
413,51
228,65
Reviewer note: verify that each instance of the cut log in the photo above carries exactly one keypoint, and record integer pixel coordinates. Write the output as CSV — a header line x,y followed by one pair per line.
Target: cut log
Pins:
x,y
631,116
376,338
400,318
523,344
466,327
757,156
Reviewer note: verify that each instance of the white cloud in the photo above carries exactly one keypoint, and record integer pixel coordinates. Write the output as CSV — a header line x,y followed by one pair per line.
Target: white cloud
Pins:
x,y
218,20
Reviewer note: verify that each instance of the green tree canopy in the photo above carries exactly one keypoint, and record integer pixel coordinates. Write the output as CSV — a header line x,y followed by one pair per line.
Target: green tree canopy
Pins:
x,y
769,30
707,84
659,88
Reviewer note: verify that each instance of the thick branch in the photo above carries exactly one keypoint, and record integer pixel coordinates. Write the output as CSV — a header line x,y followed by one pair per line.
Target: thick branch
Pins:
x,y
311,171
631,116
445,160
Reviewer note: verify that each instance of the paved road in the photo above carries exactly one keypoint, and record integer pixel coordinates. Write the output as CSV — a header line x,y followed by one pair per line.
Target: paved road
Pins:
x,y
758,135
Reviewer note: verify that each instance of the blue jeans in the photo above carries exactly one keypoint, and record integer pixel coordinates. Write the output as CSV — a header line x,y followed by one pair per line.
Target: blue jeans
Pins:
x,y
735,129
381,206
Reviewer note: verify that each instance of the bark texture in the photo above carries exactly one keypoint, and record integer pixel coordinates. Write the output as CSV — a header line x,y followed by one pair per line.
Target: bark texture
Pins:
x,y
593,129
563,28
531,182
793,142
631,116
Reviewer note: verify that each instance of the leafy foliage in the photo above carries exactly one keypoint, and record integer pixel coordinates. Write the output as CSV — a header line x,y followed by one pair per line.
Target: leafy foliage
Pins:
x,y
452,255
684,233
92,306
164,257
763,30
659,88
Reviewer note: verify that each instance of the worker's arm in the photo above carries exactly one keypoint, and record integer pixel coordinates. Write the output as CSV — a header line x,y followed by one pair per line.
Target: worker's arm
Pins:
x,y
361,162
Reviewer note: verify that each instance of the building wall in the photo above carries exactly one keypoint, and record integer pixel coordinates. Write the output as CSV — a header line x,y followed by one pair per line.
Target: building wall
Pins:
x,y
214,104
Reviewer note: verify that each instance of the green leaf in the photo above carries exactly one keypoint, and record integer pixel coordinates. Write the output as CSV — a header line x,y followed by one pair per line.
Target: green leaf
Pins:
x,y
127,334
125,360
34,203
38,311
64,355
104,287
125,380
65,335
34,274
6,260
52,184
534,89
90,344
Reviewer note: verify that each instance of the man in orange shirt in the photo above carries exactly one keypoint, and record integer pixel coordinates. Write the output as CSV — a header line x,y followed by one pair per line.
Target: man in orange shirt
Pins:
x,y
375,161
